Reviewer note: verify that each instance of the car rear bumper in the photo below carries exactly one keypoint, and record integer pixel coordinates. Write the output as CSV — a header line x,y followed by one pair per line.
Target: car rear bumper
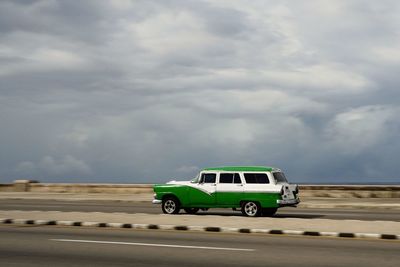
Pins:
x,y
288,202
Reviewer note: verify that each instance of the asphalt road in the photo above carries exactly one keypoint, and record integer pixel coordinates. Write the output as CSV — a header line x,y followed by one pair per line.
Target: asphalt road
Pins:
x,y
142,207
58,246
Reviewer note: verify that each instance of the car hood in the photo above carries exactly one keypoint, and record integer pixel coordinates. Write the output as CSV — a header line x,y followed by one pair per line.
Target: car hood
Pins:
x,y
179,182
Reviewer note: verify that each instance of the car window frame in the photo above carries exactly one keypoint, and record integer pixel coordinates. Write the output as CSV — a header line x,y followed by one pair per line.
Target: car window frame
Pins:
x,y
234,175
204,173
266,174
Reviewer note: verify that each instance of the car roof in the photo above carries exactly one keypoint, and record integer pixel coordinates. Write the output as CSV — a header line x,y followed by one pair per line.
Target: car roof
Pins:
x,y
242,168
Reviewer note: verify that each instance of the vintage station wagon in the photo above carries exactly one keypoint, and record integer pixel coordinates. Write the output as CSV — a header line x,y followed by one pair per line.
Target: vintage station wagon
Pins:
x,y
255,190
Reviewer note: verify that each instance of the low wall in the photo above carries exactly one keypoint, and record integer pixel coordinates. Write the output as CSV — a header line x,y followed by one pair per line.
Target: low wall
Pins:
x,y
321,191
92,188
7,188
350,191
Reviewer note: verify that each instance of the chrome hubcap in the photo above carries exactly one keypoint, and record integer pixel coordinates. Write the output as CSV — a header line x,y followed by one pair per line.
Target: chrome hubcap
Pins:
x,y
170,206
250,208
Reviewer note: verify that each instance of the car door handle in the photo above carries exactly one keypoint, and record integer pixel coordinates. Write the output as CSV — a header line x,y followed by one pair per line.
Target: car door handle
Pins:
x,y
239,185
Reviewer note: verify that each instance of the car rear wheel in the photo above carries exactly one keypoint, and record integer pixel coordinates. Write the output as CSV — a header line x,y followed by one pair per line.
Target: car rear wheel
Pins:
x,y
191,210
269,211
251,209
170,205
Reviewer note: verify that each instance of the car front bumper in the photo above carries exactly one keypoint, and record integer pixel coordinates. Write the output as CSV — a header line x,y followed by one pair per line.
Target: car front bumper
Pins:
x,y
156,201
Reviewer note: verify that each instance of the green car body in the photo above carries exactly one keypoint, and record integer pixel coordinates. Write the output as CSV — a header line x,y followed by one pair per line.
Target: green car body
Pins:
x,y
230,187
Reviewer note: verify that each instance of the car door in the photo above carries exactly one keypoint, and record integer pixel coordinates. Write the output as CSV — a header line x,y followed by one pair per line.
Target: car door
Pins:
x,y
203,193
229,189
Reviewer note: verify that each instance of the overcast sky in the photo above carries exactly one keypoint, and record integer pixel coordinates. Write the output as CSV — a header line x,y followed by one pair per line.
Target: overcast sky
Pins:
x,y
147,91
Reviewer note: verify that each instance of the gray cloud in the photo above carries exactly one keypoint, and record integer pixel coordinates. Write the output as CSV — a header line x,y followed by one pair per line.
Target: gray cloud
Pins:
x,y
146,91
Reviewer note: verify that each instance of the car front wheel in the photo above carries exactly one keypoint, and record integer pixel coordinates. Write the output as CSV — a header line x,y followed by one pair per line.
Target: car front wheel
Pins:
x,y
170,205
251,209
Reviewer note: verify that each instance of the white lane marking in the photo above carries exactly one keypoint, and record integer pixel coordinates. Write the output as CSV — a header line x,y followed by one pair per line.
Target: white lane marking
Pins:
x,y
149,244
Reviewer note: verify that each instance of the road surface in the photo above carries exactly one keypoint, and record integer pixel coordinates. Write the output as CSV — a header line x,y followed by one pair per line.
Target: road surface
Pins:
x,y
58,246
143,207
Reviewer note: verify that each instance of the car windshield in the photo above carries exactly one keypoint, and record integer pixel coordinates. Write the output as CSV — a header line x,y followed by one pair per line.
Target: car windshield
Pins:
x,y
280,177
196,179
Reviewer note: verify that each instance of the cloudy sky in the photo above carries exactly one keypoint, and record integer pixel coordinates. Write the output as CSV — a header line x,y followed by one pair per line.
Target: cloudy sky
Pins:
x,y
146,91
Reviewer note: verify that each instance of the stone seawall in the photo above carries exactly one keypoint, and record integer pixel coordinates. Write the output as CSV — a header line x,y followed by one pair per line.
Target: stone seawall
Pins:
x,y
350,191
321,191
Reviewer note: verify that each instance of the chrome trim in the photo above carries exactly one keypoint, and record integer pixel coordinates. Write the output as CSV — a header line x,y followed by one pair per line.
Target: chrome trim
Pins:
x,y
157,201
288,201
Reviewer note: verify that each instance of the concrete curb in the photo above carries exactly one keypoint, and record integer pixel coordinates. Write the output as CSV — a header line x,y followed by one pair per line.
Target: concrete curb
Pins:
x,y
201,229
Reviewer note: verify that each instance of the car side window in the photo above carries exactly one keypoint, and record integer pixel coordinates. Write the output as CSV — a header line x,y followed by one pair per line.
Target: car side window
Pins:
x,y
208,178
229,178
256,178
225,178
237,179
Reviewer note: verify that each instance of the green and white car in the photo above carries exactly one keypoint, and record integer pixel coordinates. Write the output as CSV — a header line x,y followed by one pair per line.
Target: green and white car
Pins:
x,y
255,190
